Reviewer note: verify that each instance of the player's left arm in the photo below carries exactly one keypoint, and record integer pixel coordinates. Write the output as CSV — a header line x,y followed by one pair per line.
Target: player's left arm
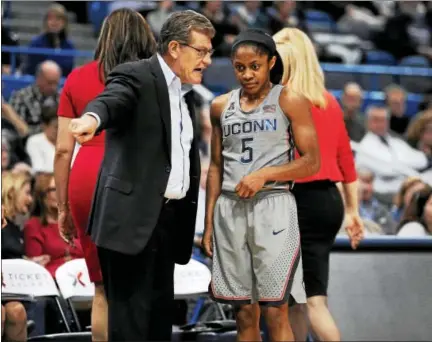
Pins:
x,y
298,111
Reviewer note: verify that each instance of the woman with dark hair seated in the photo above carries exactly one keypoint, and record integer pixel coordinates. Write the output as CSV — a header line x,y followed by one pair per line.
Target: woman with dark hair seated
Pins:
x,y
41,233
417,217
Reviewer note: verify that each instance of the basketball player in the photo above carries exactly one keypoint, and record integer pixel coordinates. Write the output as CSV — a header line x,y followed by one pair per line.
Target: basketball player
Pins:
x,y
251,228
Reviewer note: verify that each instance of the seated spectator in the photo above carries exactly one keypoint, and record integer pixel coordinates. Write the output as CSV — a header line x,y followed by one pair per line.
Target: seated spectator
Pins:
x,y
16,199
409,187
396,104
55,36
158,17
285,14
226,31
13,314
29,101
41,233
388,157
13,119
14,130
419,133
8,39
396,38
41,146
249,15
417,218
369,207
351,101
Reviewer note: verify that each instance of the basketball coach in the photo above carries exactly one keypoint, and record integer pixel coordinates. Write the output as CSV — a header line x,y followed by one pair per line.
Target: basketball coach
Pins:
x,y
144,210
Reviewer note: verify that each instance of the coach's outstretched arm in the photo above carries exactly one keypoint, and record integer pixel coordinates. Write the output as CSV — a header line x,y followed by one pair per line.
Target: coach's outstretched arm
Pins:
x,y
114,104
214,176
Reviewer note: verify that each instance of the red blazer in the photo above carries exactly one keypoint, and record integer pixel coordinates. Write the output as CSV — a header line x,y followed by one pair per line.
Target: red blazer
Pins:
x,y
337,160
39,240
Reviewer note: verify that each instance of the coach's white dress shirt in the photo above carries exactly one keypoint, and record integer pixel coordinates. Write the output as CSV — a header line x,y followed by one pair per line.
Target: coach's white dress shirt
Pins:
x,y
181,134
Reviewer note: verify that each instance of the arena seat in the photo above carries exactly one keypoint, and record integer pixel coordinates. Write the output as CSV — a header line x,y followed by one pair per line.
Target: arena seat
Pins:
x,y
27,278
74,284
378,57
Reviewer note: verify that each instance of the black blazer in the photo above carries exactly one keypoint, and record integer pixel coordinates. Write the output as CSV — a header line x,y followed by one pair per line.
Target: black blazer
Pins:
x,y
135,112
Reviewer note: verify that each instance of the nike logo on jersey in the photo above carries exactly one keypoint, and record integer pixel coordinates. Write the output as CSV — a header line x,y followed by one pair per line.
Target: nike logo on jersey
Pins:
x,y
229,114
279,231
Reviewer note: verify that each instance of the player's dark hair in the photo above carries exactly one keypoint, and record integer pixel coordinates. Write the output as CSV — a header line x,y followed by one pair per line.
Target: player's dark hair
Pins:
x,y
260,49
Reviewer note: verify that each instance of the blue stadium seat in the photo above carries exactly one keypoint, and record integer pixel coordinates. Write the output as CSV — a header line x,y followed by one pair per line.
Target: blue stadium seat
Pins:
x,y
318,16
379,57
12,83
419,61
319,21
97,11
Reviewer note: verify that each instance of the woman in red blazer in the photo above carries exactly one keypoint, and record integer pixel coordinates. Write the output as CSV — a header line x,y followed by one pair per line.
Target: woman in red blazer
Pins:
x,y
319,203
125,36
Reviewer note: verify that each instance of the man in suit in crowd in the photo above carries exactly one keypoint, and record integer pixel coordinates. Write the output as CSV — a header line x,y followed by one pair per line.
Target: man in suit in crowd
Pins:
x,y
144,209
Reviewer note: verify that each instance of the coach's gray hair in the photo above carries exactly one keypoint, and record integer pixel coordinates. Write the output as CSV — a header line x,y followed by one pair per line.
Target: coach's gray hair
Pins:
x,y
179,26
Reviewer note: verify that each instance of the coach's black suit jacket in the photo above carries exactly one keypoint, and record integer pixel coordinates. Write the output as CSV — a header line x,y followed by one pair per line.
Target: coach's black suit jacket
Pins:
x,y
135,111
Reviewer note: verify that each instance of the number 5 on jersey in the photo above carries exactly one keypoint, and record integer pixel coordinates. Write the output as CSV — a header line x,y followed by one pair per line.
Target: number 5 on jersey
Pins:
x,y
247,151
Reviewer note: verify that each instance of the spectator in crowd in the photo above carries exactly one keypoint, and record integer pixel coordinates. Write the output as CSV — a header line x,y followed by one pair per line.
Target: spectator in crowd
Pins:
x,y
157,17
13,120
5,156
28,101
13,314
54,36
417,218
352,100
385,155
409,187
41,146
14,129
41,233
396,37
395,97
370,208
286,14
249,15
16,199
225,29
8,39
419,133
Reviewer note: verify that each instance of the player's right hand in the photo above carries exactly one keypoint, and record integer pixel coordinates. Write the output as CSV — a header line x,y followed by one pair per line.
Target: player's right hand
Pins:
x,y
207,243
84,128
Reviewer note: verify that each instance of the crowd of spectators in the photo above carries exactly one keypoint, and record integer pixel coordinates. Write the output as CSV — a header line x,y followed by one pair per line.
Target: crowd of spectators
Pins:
x,y
393,153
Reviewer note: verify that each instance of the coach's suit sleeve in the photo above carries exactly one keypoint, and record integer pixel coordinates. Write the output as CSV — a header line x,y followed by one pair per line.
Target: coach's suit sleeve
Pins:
x,y
119,98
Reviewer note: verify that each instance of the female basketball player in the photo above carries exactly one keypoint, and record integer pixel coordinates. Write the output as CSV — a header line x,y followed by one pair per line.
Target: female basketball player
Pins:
x,y
250,212
319,224
125,37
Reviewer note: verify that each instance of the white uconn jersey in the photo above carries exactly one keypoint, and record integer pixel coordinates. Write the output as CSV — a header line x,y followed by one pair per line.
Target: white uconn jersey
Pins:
x,y
256,139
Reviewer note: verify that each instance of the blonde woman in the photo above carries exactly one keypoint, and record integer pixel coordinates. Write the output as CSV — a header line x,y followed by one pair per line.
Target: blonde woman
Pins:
x,y
319,204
